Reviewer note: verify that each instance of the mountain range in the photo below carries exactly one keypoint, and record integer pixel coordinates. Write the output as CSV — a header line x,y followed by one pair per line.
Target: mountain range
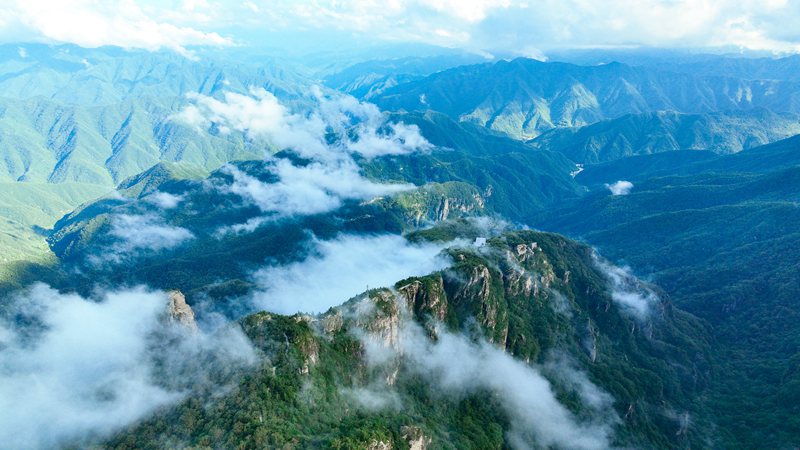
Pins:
x,y
504,254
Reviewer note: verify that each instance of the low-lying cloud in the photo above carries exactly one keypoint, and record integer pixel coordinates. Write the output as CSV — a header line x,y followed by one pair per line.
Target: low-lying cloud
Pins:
x,y
456,365
327,138
315,188
90,368
630,294
164,200
620,187
340,269
136,234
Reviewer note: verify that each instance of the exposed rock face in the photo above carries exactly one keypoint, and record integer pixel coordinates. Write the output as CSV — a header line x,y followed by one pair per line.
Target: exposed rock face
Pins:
x,y
415,438
384,326
178,311
426,296
379,445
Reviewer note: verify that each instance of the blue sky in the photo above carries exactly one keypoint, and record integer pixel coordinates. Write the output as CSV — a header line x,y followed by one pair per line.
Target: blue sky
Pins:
x,y
524,27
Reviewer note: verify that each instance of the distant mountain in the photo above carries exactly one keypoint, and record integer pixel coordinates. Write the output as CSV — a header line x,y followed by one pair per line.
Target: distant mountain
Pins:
x,y
525,97
370,78
641,134
748,65
86,119
74,75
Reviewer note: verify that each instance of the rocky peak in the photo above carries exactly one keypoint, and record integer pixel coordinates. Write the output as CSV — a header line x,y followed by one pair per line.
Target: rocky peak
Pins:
x,y
178,311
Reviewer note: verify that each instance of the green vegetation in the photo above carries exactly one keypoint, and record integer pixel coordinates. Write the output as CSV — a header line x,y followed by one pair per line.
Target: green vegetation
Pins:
x,y
722,239
664,131
300,395
524,98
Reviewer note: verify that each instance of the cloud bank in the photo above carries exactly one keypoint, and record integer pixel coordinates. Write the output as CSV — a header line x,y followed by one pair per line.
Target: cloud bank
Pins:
x,y
519,26
341,269
91,369
123,23
327,138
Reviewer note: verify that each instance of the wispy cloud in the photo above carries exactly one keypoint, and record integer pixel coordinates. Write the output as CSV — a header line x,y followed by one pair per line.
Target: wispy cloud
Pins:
x,y
136,234
164,200
339,269
630,294
327,137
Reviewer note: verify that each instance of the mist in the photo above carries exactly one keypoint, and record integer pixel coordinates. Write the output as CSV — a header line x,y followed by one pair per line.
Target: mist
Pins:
x,y
627,292
458,366
87,367
339,269
327,137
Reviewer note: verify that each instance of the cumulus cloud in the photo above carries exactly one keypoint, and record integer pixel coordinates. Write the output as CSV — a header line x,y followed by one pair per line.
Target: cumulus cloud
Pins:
x,y
359,127
620,187
517,25
457,366
311,189
124,23
341,268
327,137
91,367
630,294
520,26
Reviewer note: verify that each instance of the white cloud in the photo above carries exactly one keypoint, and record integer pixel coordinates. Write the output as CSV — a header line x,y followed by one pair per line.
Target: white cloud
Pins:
x,y
519,26
455,365
312,189
522,26
339,269
360,127
620,187
90,370
328,136
124,23
164,200
22,52
137,234
631,295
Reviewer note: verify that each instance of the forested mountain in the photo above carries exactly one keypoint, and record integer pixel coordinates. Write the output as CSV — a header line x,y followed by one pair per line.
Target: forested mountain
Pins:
x,y
720,236
336,250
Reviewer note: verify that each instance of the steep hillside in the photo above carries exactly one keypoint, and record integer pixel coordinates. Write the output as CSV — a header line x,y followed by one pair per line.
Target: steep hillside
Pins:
x,y
525,97
86,119
521,342
721,239
472,173
642,134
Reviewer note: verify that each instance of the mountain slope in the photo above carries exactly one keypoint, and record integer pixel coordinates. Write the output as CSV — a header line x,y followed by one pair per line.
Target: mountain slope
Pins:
x,y
720,237
534,296
524,97
642,134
